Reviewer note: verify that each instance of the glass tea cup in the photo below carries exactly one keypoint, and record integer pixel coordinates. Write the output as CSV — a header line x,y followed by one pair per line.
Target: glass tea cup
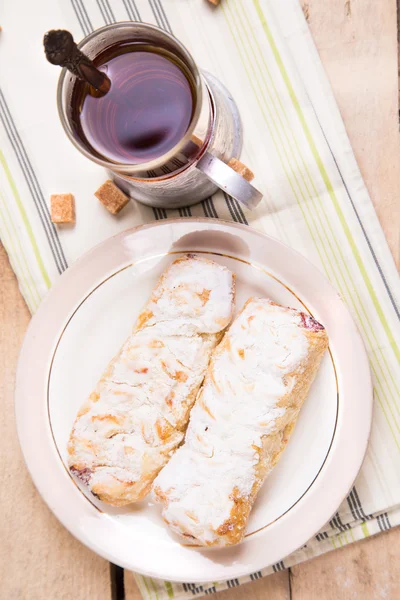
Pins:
x,y
197,164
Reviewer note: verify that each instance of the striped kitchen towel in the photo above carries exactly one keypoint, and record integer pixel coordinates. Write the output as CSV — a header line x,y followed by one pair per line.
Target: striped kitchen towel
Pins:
x,y
295,141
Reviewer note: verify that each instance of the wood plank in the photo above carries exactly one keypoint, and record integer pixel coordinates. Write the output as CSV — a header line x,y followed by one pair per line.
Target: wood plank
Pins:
x,y
38,557
367,570
357,42
398,53
274,587
131,589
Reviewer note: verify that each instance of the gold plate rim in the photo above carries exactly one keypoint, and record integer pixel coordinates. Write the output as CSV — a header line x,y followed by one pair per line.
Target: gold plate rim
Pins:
x,y
161,255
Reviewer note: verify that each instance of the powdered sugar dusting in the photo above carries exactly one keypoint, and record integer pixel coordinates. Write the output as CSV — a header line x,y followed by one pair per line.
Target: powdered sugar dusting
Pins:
x,y
137,415
239,403
193,298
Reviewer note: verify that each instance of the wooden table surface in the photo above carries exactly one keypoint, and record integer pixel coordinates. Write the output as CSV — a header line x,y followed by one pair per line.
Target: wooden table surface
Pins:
x,y
39,559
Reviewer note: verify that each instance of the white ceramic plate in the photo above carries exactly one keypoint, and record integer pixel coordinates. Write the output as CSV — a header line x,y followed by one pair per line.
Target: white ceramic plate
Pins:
x,y
83,322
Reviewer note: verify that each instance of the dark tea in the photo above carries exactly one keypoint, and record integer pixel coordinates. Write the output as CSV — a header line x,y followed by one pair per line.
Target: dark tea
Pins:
x,y
146,112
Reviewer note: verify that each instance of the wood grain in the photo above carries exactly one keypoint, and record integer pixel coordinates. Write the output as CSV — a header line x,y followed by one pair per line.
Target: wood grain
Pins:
x,y
39,559
357,43
367,570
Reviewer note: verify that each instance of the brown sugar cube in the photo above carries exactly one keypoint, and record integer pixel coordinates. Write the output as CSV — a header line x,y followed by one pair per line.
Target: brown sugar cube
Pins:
x,y
62,208
196,140
240,168
111,197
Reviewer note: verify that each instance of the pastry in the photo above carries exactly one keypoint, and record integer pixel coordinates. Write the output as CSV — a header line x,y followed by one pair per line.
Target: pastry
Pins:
x,y
257,381
138,413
